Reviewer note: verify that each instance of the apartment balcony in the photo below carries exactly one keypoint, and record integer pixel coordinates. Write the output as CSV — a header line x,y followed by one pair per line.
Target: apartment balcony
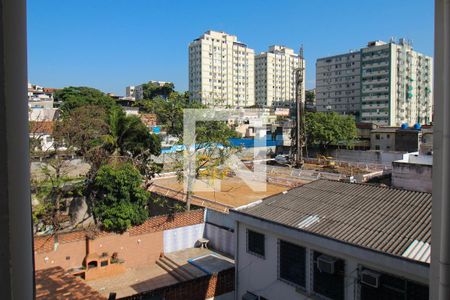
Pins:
x,y
375,64
375,114
375,89
366,74
373,106
375,98
374,57
376,81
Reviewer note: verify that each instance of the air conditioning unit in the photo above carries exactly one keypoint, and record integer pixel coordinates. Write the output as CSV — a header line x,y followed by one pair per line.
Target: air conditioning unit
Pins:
x,y
326,264
370,278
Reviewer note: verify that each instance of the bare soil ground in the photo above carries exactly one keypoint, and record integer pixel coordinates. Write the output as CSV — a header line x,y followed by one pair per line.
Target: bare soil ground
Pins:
x,y
233,191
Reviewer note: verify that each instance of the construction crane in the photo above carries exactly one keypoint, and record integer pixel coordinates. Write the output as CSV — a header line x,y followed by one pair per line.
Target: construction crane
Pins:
x,y
298,132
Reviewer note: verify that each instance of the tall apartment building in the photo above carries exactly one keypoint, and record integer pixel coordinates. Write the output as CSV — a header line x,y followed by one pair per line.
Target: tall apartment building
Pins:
x,y
384,83
275,77
221,71
396,84
338,83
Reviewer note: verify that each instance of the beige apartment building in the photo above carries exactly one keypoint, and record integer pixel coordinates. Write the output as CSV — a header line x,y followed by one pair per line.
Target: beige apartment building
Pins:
x,y
275,77
221,71
338,83
396,84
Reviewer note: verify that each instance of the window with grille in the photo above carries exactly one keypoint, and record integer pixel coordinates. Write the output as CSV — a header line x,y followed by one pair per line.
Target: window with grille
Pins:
x,y
328,276
292,263
255,243
392,287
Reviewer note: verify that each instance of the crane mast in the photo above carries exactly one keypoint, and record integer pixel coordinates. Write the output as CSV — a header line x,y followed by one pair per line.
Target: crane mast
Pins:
x,y
299,130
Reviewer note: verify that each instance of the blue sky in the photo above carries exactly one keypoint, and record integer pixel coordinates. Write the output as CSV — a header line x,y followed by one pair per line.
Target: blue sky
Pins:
x,y
109,44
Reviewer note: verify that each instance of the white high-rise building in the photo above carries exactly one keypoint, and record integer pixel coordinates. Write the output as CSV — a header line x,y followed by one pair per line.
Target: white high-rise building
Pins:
x,y
221,71
275,77
396,84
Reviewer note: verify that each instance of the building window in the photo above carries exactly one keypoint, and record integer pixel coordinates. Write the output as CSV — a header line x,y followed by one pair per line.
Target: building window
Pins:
x,y
292,264
375,285
329,276
377,136
255,243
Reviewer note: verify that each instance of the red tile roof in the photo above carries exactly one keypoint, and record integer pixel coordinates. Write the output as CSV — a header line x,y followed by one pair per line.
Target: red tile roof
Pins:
x,y
54,283
45,127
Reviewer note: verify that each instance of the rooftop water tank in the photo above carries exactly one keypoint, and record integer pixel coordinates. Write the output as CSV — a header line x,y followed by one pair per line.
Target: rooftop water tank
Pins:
x,y
417,126
404,126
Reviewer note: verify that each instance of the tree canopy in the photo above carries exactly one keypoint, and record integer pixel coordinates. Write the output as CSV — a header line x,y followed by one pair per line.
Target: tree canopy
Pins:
x,y
153,89
129,136
324,129
121,201
82,128
72,97
309,96
169,111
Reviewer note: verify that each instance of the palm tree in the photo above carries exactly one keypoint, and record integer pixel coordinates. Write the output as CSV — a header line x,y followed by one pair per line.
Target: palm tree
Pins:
x,y
128,136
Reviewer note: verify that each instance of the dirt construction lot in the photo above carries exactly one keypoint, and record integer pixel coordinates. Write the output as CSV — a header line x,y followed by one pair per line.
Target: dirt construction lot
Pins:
x,y
232,190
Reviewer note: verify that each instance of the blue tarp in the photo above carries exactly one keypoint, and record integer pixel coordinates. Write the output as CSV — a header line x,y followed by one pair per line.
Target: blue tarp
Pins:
x,y
236,142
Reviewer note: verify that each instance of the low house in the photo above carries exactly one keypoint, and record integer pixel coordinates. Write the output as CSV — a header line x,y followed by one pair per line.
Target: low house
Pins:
x,y
402,139
41,133
334,240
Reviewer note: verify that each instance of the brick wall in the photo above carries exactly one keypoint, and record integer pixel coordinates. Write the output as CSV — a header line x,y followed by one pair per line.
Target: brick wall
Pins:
x,y
139,245
161,223
197,289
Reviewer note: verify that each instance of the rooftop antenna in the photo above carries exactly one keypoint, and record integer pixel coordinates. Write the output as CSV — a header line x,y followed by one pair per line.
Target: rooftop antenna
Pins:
x,y
300,52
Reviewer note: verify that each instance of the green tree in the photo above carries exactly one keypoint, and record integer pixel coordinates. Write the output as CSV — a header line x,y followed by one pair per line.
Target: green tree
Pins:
x,y
73,97
152,90
104,137
169,111
325,129
310,96
52,191
130,140
128,136
82,129
120,200
211,149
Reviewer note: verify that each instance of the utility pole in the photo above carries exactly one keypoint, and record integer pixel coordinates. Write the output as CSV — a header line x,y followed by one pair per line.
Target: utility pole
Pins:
x,y
299,133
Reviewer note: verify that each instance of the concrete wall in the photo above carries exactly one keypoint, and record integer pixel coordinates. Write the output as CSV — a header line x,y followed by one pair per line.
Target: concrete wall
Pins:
x,y
412,176
370,157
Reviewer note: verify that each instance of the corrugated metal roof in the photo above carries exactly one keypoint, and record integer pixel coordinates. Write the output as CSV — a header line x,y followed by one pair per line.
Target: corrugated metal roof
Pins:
x,y
388,220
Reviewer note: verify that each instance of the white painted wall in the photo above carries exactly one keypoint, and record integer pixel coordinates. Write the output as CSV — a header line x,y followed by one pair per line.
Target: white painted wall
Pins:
x,y
259,276
182,237
220,239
